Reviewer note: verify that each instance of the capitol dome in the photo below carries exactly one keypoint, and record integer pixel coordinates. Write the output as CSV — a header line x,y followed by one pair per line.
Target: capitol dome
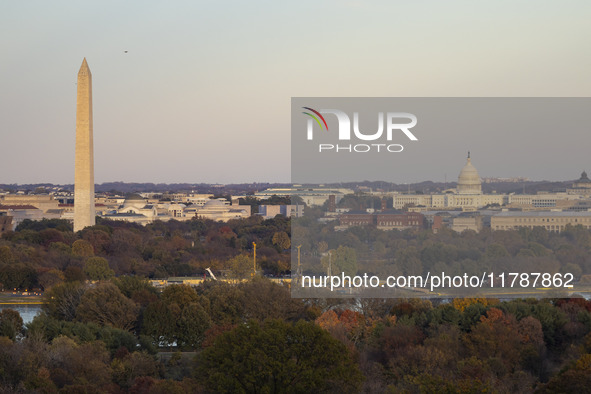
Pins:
x,y
469,181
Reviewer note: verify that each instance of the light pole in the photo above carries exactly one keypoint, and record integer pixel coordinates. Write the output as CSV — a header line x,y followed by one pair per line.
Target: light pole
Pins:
x,y
254,260
299,269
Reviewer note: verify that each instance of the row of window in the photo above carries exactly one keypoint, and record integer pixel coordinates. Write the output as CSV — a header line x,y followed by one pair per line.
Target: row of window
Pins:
x,y
409,223
552,227
560,220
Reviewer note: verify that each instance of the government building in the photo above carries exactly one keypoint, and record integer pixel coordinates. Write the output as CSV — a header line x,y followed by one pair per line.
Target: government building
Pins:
x,y
468,196
550,220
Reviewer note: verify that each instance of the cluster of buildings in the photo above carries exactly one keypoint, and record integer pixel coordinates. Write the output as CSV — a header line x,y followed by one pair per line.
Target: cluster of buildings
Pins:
x,y
468,196
311,196
466,207
84,205
137,208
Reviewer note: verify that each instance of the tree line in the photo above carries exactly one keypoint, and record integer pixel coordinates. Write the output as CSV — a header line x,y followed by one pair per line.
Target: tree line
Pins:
x,y
40,254
123,335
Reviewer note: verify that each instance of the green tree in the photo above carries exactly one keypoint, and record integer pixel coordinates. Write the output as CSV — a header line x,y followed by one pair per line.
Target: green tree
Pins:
x,y
496,251
11,323
178,317
97,268
158,323
276,356
137,288
226,303
6,255
191,326
342,260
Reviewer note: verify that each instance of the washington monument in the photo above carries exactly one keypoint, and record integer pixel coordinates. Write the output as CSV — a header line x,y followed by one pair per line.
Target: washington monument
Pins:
x,y
84,214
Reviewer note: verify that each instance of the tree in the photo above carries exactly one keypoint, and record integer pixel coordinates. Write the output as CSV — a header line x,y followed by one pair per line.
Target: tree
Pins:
x,y
179,294
178,317
132,366
158,323
97,268
6,255
264,299
11,323
51,278
276,356
85,367
191,326
342,260
226,303
137,288
74,274
496,251
241,266
575,379
106,305
281,239
82,248
61,301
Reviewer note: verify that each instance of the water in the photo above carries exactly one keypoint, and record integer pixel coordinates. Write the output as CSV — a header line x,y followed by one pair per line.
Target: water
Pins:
x,y
27,311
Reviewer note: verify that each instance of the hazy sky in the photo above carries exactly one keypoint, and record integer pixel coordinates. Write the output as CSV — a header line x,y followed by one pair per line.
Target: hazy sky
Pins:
x,y
203,95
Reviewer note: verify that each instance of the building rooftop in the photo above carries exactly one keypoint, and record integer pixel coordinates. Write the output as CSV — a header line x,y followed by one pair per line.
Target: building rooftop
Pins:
x,y
15,207
545,213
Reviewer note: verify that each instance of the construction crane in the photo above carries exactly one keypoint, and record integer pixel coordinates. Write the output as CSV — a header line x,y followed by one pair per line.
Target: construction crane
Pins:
x,y
211,273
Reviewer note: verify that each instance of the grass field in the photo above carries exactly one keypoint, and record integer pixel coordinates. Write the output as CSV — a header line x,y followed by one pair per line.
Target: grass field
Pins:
x,y
8,298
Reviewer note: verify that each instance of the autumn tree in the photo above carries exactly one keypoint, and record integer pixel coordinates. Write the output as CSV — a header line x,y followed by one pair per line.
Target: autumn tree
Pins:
x,y
281,240
82,248
576,378
241,266
50,278
263,299
104,304
128,368
61,301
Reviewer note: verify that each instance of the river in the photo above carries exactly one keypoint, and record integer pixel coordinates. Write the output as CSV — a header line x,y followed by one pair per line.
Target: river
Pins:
x,y
27,311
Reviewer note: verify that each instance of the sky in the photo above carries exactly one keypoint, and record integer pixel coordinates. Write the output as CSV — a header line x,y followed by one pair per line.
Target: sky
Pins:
x,y
203,93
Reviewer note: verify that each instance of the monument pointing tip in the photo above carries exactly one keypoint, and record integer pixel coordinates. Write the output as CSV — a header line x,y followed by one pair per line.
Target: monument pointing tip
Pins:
x,y
84,213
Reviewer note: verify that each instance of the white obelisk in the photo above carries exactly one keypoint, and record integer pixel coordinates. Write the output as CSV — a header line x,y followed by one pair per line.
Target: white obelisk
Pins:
x,y
84,214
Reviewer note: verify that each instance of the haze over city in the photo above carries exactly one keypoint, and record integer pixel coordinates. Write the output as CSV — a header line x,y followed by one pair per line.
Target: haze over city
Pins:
x,y
200,92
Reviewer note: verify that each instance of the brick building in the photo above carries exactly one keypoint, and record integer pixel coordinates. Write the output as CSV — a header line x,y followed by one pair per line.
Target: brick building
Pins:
x,y
387,220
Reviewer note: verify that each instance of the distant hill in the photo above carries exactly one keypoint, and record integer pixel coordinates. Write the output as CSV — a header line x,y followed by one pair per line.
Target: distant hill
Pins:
x,y
426,187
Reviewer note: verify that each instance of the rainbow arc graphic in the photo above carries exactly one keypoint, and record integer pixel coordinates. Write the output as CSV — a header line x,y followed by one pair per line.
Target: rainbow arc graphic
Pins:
x,y
318,115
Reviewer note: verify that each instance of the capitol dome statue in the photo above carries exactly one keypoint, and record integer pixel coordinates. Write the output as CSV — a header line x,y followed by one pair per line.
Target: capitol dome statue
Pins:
x,y
469,181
